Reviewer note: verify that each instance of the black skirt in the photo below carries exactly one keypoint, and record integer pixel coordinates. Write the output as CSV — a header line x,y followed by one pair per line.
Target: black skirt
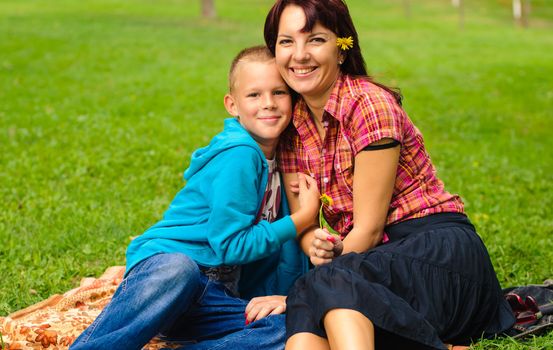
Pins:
x,y
433,283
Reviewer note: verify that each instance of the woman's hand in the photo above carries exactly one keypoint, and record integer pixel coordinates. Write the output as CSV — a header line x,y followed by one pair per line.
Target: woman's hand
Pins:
x,y
324,247
260,307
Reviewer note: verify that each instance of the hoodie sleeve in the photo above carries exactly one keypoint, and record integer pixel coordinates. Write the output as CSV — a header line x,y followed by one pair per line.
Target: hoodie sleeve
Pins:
x,y
235,199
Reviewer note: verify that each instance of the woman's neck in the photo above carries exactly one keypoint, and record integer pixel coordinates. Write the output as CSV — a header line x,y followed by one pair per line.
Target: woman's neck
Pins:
x,y
317,103
316,107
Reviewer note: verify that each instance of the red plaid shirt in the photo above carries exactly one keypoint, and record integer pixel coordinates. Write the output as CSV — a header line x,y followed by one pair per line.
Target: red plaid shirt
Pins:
x,y
357,114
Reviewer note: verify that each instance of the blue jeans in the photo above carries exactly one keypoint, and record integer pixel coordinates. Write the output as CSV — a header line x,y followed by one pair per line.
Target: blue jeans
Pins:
x,y
168,296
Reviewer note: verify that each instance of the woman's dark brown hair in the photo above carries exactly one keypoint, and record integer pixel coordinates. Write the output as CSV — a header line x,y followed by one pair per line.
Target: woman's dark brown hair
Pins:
x,y
334,15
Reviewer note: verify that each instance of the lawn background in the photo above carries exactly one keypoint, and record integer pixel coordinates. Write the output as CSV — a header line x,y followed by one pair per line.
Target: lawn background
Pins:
x,y
102,103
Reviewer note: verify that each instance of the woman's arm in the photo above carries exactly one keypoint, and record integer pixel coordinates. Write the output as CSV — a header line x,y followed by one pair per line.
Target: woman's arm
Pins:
x,y
373,185
260,307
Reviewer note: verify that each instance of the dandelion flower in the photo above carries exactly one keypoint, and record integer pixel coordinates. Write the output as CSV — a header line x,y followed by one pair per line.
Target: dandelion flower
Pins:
x,y
344,43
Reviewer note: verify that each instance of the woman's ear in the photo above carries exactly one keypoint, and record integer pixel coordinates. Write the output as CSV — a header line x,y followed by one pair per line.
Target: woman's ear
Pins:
x,y
341,58
230,105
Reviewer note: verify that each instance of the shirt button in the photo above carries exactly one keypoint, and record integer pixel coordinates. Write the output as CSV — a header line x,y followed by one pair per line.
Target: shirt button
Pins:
x,y
312,175
325,180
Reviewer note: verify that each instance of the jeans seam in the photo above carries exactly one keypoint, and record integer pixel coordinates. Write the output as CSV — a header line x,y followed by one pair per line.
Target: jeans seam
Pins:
x,y
93,326
124,285
203,291
90,330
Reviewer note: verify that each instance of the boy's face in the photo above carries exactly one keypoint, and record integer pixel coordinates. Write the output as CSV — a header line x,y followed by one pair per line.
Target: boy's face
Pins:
x,y
261,100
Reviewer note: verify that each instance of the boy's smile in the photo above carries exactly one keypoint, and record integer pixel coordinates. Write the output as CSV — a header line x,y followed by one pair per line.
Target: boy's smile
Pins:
x,y
261,101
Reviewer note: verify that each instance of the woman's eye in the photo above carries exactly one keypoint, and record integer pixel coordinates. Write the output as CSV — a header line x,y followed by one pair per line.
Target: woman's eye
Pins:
x,y
318,40
284,42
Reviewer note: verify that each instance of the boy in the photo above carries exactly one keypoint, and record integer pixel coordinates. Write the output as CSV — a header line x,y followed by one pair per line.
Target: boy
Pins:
x,y
225,233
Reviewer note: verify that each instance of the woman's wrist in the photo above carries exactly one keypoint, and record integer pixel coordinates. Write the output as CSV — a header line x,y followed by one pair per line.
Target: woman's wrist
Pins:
x,y
361,241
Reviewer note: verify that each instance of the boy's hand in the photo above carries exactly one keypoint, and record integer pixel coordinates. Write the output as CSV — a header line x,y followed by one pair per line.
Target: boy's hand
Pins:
x,y
295,187
308,195
305,203
260,307
324,247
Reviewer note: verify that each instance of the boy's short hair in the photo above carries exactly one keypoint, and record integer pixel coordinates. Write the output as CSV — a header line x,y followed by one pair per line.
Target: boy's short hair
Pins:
x,y
258,53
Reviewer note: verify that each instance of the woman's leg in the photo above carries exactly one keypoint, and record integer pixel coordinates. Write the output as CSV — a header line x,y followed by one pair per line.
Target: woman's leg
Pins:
x,y
348,329
304,340
153,294
359,282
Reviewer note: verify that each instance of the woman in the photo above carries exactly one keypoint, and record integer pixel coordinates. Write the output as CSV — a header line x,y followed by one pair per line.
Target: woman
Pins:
x,y
432,282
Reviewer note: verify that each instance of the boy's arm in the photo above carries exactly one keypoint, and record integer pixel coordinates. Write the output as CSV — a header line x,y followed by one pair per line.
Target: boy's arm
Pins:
x,y
234,196
307,234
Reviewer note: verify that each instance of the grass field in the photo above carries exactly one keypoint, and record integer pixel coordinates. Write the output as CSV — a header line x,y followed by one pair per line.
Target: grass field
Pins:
x,y
103,101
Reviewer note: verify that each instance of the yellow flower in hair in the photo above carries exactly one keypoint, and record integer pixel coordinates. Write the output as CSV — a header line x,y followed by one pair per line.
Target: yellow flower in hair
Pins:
x,y
326,200
344,43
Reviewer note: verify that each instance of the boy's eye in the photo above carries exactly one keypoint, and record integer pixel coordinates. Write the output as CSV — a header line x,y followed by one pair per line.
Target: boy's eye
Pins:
x,y
281,92
252,94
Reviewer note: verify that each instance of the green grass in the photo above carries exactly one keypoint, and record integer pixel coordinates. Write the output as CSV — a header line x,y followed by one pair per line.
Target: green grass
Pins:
x,y
102,102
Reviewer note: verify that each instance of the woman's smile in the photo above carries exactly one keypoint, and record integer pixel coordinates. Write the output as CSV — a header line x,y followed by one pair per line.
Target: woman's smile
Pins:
x,y
308,61
302,71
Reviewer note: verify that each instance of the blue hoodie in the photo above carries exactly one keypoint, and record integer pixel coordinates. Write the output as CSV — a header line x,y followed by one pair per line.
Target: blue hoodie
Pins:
x,y
212,219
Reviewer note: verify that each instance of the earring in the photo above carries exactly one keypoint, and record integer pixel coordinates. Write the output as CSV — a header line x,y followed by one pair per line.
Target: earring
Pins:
x,y
340,62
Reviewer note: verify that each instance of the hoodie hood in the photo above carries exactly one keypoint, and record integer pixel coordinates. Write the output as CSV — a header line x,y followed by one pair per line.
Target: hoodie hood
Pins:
x,y
233,135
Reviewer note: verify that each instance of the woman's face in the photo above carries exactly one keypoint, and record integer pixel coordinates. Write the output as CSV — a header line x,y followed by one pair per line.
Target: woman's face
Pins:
x,y
308,61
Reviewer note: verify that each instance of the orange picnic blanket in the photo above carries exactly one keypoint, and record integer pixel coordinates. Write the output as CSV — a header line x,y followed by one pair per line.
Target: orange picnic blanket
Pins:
x,y
56,322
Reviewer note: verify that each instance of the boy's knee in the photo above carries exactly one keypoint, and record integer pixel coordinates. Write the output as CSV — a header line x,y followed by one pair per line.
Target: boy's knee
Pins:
x,y
176,270
179,265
